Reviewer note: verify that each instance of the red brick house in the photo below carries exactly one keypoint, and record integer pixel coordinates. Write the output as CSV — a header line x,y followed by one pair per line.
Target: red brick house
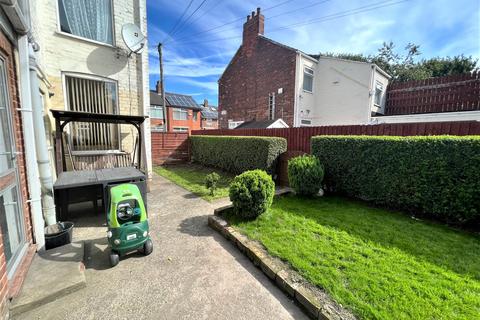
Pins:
x,y
259,68
209,115
182,113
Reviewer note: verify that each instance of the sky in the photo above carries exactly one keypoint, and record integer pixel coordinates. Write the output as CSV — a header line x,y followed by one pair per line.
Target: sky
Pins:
x,y
198,46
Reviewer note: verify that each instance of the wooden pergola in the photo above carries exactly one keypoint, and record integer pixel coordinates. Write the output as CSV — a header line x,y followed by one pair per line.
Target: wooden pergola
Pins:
x,y
63,117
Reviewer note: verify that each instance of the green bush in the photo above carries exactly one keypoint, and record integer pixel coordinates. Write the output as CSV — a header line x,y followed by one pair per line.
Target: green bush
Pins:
x,y
305,175
211,181
436,176
237,154
252,193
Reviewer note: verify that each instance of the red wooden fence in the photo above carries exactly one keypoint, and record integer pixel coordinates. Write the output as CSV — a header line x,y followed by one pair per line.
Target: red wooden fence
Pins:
x,y
299,138
443,94
169,147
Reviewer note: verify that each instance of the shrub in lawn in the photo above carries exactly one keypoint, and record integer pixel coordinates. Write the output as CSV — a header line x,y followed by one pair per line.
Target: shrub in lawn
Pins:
x,y
237,154
436,176
252,193
211,181
305,175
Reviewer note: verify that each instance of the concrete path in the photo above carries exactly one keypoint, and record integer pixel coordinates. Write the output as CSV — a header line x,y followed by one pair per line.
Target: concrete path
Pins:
x,y
193,273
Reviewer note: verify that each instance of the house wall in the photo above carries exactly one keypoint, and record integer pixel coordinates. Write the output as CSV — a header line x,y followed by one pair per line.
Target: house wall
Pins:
x,y
206,125
9,286
190,123
259,68
62,53
341,93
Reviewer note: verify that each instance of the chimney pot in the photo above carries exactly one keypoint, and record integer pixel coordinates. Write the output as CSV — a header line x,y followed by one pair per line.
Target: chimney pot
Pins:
x,y
248,17
205,103
253,14
258,11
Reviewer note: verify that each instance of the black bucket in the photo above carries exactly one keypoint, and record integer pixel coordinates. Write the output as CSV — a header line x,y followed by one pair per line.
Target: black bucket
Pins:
x,y
60,238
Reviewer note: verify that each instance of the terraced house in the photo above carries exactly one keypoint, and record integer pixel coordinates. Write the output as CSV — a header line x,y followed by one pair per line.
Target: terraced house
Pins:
x,y
67,55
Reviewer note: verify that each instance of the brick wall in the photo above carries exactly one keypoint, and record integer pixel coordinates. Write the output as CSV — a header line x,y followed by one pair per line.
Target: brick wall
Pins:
x,y
259,67
7,53
213,124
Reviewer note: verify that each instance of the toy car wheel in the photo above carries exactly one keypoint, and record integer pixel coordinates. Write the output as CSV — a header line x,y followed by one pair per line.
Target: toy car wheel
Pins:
x,y
147,247
114,258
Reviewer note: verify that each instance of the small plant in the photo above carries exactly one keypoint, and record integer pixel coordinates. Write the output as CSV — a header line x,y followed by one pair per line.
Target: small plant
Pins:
x,y
211,181
252,193
305,175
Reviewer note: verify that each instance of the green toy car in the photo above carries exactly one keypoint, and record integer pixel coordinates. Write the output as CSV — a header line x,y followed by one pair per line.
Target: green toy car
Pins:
x,y
127,222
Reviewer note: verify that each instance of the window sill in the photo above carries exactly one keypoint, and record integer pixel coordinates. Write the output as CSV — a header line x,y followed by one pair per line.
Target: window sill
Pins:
x,y
74,37
306,91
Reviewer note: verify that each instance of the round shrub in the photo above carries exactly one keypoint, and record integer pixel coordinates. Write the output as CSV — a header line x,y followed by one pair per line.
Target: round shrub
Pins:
x,y
305,175
252,193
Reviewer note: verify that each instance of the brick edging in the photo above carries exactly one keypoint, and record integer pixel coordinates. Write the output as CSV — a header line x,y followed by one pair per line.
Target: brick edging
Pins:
x,y
290,282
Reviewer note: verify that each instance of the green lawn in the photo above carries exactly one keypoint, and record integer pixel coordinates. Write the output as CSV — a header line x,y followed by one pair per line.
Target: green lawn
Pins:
x,y
379,264
192,178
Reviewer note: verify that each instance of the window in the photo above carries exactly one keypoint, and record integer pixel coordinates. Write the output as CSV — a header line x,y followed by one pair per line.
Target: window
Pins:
x,y
156,112
11,215
195,116
180,114
233,124
271,106
94,96
306,122
378,93
180,129
307,79
90,19
158,128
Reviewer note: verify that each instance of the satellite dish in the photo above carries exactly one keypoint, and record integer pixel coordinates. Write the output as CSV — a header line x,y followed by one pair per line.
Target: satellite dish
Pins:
x,y
133,38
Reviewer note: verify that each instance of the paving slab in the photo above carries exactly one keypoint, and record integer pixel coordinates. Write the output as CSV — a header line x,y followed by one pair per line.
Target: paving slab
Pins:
x,y
53,274
193,272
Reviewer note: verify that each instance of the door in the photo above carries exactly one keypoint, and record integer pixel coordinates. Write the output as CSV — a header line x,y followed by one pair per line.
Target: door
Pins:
x,y
11,217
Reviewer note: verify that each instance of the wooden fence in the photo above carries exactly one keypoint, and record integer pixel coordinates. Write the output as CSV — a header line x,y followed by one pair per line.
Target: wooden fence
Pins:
x,y
442,94
169,147
299,138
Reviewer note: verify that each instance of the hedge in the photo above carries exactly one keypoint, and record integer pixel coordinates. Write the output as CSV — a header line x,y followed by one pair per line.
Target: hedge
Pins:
x,y
436,176
237,154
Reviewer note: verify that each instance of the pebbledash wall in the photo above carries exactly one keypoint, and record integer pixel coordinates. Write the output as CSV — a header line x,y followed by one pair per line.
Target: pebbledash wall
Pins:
x,y
11,283
63,54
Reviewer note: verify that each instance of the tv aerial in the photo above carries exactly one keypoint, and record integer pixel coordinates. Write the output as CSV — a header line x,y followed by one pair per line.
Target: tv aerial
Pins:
x,y
133,38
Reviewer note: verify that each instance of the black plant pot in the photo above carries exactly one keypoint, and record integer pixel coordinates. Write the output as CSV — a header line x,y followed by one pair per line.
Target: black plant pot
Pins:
x,y
58,239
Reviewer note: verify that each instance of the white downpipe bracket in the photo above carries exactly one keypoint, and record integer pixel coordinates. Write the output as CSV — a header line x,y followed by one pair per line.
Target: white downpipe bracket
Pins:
x,y
43,161
34,187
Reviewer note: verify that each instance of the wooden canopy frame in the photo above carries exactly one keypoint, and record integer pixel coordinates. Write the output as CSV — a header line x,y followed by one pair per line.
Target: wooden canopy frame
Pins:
x,y
63,117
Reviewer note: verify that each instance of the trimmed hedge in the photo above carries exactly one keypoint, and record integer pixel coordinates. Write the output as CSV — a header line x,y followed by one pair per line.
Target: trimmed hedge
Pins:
x,y
238,154
305,175
436,176
252,193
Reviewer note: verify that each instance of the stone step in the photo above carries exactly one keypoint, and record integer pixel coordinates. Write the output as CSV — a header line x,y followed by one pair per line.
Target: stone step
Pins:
x,y
52,275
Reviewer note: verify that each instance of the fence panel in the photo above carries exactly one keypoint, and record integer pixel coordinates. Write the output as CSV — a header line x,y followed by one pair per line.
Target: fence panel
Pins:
x,y
170,147
443,94
299,138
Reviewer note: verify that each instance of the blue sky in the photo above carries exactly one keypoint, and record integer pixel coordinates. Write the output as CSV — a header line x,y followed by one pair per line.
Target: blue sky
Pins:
x,y
195,56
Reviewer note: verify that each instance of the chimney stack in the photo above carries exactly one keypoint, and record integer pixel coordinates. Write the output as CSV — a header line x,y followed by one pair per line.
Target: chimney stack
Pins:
x,y
253,27
158,87
205,103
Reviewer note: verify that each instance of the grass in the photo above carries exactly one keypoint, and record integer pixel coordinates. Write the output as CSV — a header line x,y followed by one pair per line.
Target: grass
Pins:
x,y
192,178
377,263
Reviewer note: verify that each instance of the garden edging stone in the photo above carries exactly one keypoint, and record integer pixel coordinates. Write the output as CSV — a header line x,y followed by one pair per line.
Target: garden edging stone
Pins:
x,y
314,301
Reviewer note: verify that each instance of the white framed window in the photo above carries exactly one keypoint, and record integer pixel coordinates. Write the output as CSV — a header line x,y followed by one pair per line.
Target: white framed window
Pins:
x,y
377,101
94,95
307,79
233,124
271,106
156,112
158,128
180,114
87,19
180,129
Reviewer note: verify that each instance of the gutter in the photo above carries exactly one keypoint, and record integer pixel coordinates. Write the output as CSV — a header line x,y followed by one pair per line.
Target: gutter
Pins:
x,y
16,16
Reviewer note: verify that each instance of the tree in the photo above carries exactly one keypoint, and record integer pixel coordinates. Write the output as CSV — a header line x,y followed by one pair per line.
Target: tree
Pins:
x,y
407,66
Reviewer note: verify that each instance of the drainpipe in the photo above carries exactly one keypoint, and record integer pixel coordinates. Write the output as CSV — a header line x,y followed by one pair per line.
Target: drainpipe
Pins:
x,y
43,160
34,187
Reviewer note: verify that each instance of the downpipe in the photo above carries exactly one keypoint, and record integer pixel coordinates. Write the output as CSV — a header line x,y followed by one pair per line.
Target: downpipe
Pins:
x,y
43,161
